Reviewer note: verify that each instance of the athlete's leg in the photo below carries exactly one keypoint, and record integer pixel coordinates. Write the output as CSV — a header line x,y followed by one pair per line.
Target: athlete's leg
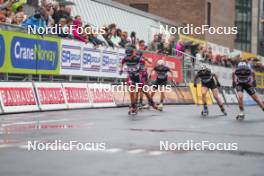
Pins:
x,y
258,100
218,99
204,92
240,96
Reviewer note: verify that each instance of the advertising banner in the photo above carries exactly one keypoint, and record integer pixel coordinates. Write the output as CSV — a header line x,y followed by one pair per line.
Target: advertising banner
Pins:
x,y
76,95
71,54
85,60
110,62
50,96
2,50
91,61
174,64
31,54
17,97
248,100
101,95
260,80
224,74
197,94
230,95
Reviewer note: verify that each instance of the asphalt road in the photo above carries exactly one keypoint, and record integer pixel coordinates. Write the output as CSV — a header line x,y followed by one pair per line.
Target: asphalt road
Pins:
x,y
132,144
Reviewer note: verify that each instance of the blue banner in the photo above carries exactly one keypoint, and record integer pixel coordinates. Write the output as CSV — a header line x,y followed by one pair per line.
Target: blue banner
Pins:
x,y
28,53
2,51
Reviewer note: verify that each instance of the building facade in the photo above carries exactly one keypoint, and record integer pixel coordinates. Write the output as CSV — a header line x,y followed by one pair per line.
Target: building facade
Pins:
x,y
198,12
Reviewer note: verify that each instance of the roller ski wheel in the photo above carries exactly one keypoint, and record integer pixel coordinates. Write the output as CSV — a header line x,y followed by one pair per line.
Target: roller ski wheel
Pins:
x,y
205,113
240,117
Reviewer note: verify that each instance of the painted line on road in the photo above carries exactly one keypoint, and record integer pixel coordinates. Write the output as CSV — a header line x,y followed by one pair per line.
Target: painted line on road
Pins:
x,y
136,151
34,122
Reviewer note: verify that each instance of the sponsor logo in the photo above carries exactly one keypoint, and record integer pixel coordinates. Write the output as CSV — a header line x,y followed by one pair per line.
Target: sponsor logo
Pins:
x,y
34,54
71,57
2,51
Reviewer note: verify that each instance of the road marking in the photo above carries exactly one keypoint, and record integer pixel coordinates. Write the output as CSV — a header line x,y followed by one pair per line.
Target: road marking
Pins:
x,y
113,150
34,122
155,153
136,151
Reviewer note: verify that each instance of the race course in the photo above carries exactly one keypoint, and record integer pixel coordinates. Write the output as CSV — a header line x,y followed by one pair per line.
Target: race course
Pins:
x,y
132,143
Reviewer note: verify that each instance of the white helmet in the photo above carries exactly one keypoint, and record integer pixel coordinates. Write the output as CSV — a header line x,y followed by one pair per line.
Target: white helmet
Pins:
x,y
204,67
161,62
242,65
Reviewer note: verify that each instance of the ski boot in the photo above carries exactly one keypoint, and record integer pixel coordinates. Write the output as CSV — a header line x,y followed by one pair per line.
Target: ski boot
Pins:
x,y
132,111
240,116
160,107
146,106
140,106
205,112
223,111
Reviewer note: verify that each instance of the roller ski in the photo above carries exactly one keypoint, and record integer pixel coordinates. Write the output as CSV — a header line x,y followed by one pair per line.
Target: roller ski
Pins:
x,y
140,106
205,112
133,111
223,111
240,116
160,107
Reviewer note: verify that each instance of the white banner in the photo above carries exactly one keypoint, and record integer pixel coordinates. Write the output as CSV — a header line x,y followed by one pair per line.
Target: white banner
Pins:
x,y
224,74
50,96
77,95
101,95
17,97
81,59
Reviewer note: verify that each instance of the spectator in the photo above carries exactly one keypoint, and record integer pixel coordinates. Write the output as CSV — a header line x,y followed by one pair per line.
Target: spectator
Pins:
x,y
19,16
6,4
154,44
141,45
36,20
133,38
124,40
77,24
61,13
179,48
63,28
115,36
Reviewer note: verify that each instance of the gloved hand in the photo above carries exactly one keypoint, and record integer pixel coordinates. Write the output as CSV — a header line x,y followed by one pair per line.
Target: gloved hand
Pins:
x,y
254,83
218,84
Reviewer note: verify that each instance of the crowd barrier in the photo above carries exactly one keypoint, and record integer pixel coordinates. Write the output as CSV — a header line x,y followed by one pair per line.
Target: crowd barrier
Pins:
x,y
34,54
43,96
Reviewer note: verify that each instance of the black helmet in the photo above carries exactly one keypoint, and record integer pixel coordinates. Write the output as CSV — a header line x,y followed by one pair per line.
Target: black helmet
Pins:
x,y
129,51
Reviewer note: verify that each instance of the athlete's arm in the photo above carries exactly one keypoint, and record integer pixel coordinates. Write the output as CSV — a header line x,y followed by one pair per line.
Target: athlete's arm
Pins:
x,y
148,60
217,80
172,75
254,83
233,80
121,66
150,73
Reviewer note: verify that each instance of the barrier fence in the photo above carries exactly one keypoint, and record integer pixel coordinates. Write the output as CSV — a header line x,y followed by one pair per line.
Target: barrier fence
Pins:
x,y
41,96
